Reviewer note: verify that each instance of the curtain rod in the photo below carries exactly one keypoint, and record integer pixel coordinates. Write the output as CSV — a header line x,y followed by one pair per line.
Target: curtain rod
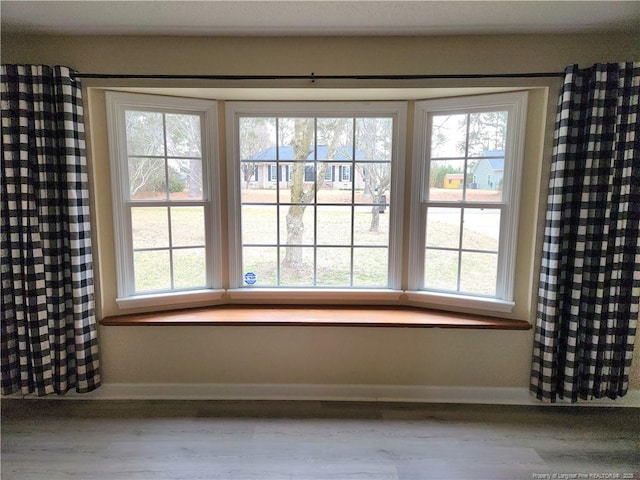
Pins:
x,y
313,77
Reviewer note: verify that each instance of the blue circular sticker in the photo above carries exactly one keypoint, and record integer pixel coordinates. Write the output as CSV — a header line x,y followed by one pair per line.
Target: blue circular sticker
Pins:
x,y
250,278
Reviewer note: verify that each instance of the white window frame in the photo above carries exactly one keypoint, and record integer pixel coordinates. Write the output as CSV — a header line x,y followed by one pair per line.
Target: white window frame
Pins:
x,y
234,110
516,104
345,169
117,104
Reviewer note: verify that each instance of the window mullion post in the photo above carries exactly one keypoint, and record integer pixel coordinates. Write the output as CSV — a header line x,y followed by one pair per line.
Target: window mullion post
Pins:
x,y
315,201
464,199
166,186
278,216
353,196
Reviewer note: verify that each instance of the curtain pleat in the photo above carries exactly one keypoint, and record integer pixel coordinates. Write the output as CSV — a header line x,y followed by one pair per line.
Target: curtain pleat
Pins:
x,y
590,274
49,332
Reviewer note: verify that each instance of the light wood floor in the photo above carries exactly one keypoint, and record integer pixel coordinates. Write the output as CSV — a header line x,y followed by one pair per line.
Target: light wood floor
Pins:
x,y
133,440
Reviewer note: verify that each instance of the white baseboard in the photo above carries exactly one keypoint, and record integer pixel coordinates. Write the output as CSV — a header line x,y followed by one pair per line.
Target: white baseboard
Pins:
x,y
369,393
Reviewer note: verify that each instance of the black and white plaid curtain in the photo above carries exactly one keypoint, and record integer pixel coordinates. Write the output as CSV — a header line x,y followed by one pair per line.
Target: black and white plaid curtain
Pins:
x,y
590,277
49,341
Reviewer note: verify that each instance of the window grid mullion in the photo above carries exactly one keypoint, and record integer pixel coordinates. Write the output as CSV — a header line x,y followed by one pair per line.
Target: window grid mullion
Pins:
x,y
155,249
467,250
460,249
165,203
162,157
466,158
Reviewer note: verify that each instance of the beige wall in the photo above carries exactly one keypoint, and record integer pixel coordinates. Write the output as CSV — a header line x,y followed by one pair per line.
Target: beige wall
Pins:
x,y
316,355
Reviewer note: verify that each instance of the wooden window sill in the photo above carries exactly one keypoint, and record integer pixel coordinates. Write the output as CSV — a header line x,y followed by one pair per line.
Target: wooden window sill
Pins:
x,y
330,316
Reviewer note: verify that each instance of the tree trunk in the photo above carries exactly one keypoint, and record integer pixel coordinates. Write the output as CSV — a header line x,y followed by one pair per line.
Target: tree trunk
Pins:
x,y
302,140
375,214
194,180
295,229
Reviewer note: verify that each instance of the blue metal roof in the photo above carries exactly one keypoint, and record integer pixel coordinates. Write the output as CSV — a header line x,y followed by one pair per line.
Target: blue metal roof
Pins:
x,y
495,158
285,153
496,163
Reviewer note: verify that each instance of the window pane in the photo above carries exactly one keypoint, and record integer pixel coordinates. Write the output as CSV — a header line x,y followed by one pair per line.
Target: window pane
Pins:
x,y
484,179
336,191
370,267
478,273
145,133
441,269
261,263
147,179
481,229
183,135
150,227
187,226
334,267
303,176
257,139
327,173
443,227
346,174
251,175
259,224
371,226
296,225
374,138
448,136
265,192
373,181
259,172
309,172
446,180
189,268
334,225
487,132
335,139
296,138
185,179
297,266
152,270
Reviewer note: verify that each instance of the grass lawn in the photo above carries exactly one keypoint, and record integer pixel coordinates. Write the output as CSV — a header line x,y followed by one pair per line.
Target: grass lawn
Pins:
x,y
333,237
331,263
150,229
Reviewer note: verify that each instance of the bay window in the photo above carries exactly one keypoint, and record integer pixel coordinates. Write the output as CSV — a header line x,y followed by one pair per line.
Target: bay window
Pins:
x,y
315,201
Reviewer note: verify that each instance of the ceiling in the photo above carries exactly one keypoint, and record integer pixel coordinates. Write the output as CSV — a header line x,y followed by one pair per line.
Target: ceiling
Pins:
x,y
316,17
